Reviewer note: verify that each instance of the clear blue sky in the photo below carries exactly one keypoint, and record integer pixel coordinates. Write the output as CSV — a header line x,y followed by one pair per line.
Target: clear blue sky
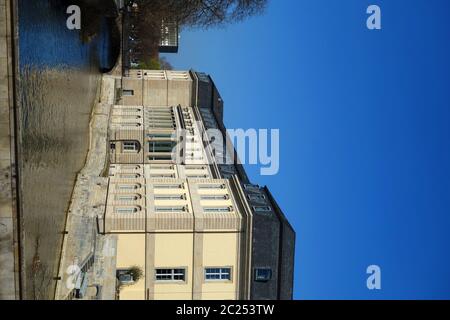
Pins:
x,y
365,135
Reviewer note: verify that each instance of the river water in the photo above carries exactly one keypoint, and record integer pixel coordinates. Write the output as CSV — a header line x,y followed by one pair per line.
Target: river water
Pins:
x,y
58,84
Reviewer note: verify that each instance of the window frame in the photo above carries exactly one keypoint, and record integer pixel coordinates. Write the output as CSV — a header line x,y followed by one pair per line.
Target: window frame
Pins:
x,y
214,197
132,186
171,209
135,209
220,273
170,197
222,186
216,210
127,92
258,209
169,186
172,275
131,197
256,197
265,279
127,143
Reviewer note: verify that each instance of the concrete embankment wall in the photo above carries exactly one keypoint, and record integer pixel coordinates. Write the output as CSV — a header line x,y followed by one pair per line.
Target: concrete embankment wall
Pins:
x,y
9,249
89,196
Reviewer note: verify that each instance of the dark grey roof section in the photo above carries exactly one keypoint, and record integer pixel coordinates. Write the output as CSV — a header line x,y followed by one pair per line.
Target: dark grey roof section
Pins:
x,y
286,252
265,246
209,98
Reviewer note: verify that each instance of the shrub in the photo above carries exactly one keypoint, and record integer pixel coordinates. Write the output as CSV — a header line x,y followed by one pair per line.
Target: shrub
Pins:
x,y
137,273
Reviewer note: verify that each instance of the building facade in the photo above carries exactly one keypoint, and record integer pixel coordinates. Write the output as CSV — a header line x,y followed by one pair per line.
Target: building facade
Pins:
x,y
185,217
169,37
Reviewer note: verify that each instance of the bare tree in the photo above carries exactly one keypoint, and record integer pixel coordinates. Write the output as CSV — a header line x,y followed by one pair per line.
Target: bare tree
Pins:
x,y
202,13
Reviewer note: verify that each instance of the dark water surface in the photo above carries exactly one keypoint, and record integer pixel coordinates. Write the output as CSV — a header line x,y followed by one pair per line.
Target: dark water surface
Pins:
x,y
59,77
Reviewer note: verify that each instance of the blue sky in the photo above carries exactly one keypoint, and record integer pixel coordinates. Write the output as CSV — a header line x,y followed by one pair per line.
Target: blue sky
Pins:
x,y
364,127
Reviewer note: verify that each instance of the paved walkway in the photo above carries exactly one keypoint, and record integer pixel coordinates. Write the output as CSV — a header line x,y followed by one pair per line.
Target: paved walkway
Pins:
x,y
89,197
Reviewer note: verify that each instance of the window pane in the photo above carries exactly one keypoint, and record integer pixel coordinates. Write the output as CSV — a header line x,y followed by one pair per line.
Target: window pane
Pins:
x,y
169,186
217,210
170,274
218,273
263,274
262,209
170,209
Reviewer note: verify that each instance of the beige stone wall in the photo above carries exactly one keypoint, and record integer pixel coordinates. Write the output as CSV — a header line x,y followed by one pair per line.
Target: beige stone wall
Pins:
x,y
138,214
130,253
158,88
126,125
136,123
188,251
8,237
191,240
214,245
136,86
170,251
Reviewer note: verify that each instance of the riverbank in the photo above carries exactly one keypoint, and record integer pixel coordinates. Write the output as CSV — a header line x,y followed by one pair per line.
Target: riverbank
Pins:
x,y
9,248
89,197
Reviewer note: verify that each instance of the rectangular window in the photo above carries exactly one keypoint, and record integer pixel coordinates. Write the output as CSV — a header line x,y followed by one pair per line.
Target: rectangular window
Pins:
x,y
166,125
212,186
127,92
197,176
128,186
170,197
162,175
215,197
126,210
217,209
256,197
126,118
161,135
127,197
126,278
129,175
251,187
176,209
218,274
161,167
263,274
262,209
129,167
158,113
161,146
160,157
170,274
159,121
130,146
195,167
127,125
169,186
